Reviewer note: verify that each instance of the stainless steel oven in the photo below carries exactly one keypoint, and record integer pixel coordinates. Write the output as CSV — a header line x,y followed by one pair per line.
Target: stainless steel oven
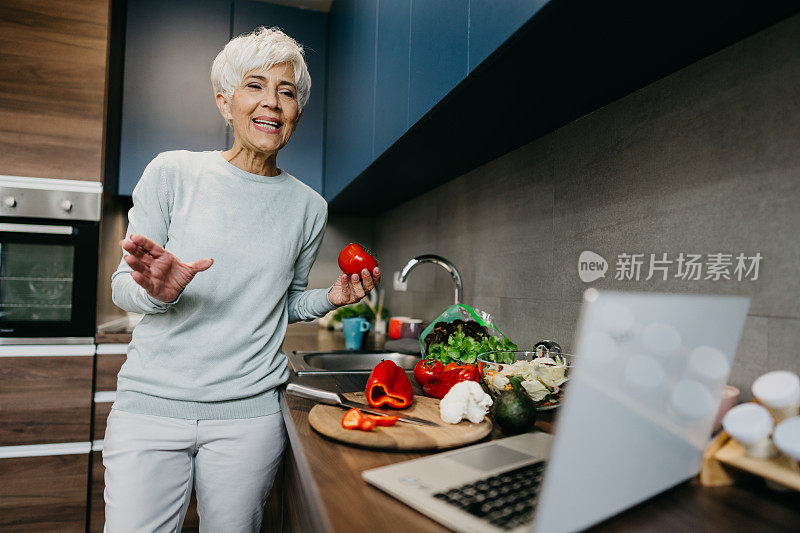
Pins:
x,y
49,234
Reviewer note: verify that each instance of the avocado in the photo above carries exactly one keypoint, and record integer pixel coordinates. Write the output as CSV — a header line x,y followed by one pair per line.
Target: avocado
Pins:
x,y
514,411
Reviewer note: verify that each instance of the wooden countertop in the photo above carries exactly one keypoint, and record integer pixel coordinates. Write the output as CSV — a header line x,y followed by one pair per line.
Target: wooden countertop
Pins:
x,y
339,500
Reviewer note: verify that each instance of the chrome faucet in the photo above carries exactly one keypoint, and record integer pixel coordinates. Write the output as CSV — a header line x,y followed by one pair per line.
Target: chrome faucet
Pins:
x,y
441,261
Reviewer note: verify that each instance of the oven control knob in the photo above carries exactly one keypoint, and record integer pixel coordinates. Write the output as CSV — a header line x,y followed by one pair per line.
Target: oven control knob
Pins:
x,y
10,201
66,205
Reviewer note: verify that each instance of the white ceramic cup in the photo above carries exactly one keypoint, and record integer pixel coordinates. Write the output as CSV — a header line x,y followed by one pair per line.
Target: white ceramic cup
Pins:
x,y
779,391
751,424
787,437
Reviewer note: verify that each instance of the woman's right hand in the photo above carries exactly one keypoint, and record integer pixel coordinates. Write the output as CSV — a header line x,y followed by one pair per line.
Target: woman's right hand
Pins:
x,y
160,273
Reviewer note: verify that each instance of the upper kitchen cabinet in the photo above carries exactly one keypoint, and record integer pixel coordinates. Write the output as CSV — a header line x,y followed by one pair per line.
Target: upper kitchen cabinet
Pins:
x,y
167,100
351,92
391,73
492,22
439,48
52,88
530,67
302,156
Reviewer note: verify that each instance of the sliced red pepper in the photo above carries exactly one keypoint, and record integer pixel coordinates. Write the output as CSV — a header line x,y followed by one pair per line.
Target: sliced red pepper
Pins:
x,y
367,423
352,419
384,420
388,385
442,382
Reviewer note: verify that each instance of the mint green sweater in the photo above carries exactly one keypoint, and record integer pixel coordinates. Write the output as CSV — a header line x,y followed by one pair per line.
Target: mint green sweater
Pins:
x,y
215,352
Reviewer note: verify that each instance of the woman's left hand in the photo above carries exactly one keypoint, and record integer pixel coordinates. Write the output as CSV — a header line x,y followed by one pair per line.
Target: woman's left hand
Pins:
x,y
350,289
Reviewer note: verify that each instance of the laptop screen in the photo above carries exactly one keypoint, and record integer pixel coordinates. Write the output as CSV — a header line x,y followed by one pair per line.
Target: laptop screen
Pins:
x,y
638,412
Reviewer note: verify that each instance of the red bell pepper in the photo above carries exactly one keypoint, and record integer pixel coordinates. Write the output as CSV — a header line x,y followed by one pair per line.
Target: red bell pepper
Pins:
x,y
385,421
352,419
367,423
388,385
441,383
355,419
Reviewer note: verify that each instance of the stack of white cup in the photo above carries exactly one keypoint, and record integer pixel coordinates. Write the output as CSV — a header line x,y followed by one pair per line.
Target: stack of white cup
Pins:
x,y
752,424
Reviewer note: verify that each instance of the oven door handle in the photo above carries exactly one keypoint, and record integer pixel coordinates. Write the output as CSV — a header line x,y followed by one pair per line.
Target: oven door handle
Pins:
x,y
36,228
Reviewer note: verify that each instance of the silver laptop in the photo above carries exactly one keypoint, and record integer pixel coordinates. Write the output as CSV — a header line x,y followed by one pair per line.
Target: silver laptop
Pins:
x,y
636,417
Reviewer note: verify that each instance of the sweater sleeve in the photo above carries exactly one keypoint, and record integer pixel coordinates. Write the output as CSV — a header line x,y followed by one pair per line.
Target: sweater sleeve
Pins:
x,y
149,216
308,304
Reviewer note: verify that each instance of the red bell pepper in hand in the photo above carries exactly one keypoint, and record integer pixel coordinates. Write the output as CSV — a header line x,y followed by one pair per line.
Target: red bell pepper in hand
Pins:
x,y
388,385
442,382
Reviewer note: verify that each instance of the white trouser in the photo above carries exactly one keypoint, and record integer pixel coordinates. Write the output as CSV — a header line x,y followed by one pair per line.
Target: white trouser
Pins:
x,y
152,461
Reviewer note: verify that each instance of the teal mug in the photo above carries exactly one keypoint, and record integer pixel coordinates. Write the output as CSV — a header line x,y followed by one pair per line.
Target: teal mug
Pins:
x,y
354,329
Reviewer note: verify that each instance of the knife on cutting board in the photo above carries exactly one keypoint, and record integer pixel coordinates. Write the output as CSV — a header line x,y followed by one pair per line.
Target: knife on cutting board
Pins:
x,y
334,398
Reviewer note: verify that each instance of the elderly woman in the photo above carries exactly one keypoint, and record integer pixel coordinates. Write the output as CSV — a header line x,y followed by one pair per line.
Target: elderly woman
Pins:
x,y
197,398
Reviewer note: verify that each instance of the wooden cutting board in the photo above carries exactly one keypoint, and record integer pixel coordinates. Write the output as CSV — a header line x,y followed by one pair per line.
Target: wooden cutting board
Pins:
x,y
327,420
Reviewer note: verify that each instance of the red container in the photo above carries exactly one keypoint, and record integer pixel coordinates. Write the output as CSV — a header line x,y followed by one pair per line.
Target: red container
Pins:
x,y
395,325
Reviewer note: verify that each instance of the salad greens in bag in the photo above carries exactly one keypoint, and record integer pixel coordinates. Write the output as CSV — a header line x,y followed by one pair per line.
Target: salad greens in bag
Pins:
x,y
462,333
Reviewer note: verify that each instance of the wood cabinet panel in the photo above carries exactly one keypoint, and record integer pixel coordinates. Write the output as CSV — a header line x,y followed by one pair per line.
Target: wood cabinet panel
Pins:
x,y
52,88
101,412
45,399
44,493
108,366
97,506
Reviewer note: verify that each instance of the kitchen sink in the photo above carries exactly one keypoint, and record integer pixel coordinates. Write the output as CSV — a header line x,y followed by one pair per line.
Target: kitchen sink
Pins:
x,y
346,361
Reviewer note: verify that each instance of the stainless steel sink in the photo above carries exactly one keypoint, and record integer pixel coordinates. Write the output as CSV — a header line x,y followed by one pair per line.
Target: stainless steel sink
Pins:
x,y
346,362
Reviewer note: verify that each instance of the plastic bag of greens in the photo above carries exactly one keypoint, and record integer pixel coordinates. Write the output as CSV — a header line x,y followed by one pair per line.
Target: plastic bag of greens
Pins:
x,y
461,333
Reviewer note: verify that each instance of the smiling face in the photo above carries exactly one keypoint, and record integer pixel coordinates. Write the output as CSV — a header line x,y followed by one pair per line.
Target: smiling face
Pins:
x,y
263,109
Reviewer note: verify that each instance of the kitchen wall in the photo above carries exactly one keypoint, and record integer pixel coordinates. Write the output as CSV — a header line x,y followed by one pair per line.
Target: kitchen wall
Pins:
x,y
706,160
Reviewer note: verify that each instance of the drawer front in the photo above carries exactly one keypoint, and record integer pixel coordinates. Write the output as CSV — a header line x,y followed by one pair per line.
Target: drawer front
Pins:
x,y
108,366
45,493
45,399
97,515
101,412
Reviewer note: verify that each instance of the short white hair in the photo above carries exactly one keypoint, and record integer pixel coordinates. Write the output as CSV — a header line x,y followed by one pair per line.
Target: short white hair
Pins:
x,y
260,49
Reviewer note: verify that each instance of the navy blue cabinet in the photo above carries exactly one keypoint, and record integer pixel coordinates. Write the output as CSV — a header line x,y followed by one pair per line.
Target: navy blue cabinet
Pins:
x,y
351,92
302,157
492,22
439,46
167,100
392,73
391,61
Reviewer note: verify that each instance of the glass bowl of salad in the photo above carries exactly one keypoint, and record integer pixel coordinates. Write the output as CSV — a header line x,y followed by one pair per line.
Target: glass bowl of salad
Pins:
x,y
542,375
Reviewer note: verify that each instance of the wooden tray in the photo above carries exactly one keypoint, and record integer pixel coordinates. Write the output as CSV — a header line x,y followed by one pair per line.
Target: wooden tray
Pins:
x,y
327,420
724,456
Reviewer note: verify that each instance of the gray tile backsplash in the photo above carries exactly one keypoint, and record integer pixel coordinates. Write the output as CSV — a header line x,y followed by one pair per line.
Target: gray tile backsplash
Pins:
x,y
706,160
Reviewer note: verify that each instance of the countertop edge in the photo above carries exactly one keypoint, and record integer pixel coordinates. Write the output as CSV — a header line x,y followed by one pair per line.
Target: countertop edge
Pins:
x,y
317,513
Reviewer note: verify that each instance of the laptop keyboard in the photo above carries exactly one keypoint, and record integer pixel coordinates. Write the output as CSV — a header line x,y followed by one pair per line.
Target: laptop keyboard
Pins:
x,y
506,500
